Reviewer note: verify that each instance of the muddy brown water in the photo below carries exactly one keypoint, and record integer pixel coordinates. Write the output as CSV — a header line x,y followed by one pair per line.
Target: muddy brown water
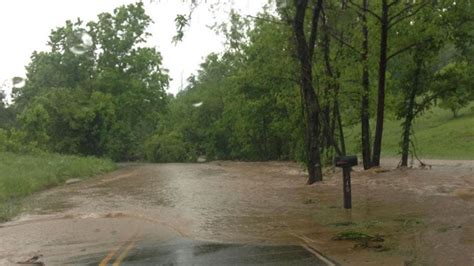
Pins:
x,y
425,216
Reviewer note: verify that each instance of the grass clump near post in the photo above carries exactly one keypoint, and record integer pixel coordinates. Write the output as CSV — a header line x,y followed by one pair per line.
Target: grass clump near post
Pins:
x,y
363,240
22,175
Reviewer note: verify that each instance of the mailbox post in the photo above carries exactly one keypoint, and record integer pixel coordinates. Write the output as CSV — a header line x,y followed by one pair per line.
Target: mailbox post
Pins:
x,y
346,163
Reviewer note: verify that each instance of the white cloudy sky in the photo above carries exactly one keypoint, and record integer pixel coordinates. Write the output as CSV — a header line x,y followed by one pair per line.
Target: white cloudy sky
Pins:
x,y
25,26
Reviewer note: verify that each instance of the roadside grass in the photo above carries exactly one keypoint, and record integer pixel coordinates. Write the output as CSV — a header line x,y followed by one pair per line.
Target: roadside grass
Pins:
x,y
437,135
22,175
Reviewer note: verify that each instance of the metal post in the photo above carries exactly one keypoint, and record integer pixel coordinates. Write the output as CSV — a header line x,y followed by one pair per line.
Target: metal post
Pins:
x,y
346,171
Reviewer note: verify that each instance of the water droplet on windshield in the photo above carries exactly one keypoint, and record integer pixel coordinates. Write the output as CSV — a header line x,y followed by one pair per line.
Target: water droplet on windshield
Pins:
x,y
197,104
86,39
78,50
84,42
18,82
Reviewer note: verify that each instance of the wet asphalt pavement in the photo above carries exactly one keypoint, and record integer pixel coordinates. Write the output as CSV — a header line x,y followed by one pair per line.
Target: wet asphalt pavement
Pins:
x,y
132,241
188,252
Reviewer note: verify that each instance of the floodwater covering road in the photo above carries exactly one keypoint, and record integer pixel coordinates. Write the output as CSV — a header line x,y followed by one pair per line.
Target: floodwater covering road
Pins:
x,y
223,213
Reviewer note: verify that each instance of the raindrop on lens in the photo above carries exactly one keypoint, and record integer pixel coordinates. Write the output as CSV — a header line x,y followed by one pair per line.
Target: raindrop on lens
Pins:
x,y
197,104
18,82
78,50
86,39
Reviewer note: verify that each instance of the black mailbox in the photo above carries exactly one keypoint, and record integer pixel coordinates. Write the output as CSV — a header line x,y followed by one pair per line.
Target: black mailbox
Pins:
x,y
346,161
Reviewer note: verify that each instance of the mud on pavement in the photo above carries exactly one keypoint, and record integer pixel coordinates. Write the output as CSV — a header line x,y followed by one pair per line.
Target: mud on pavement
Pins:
x,y
399,216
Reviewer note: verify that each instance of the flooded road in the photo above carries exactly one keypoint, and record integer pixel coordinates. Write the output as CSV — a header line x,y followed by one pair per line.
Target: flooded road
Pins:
x,y
165,213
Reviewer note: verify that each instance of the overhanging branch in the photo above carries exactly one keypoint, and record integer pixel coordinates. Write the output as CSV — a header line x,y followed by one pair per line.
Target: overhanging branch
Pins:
x,y
340,40
406,48
364,9
395,19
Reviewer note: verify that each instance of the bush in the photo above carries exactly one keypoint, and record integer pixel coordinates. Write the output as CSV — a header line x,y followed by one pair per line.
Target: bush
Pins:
x,y
167,148
3,140
15,141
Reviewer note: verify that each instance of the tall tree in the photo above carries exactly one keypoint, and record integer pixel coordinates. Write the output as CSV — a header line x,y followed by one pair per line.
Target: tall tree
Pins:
x,y
365,93
391,14
305,52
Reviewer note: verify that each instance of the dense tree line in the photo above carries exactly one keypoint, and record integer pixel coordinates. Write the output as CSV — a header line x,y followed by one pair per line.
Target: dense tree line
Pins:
x,y
287,85
347,62
97,91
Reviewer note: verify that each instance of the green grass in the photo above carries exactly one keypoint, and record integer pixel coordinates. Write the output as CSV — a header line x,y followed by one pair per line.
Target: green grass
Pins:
x,y
22,175
352,235
437,135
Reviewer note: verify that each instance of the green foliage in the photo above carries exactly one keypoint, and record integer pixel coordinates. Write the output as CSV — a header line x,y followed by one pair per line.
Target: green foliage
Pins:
x,y
167,148
7,116
35,121
97,91
3,140
455,86
352,235
243,104
22,175
14,140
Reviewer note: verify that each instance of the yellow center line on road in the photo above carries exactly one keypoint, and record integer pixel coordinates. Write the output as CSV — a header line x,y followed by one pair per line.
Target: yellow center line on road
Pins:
x,y
110,256
126,248
124,253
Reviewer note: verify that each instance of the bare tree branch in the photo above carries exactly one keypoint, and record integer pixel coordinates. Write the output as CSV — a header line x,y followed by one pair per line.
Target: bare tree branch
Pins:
x,y
394,2
426,100
406,48
340,40
398,18
363,9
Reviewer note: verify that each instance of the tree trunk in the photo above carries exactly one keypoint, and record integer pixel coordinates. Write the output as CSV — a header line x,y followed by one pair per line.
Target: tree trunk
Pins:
x,y
407,125
365,94
410,113
406,134
331,85
311,104
341,130
381,85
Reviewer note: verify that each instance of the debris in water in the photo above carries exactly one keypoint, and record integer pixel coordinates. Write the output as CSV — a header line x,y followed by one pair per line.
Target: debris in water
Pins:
x,y
72,181
33,260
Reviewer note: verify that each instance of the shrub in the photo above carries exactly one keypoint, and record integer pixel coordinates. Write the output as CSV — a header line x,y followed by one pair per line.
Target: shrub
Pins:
x,y
167,148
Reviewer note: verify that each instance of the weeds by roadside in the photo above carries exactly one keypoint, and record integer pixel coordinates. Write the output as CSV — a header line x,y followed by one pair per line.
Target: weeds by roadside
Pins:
x,y
22,175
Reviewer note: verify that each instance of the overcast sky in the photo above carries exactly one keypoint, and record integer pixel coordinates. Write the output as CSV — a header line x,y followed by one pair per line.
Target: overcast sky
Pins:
x,y
26,24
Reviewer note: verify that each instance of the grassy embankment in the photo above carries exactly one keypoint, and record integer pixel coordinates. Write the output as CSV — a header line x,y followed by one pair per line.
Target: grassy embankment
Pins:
x,y
22,175
437,135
